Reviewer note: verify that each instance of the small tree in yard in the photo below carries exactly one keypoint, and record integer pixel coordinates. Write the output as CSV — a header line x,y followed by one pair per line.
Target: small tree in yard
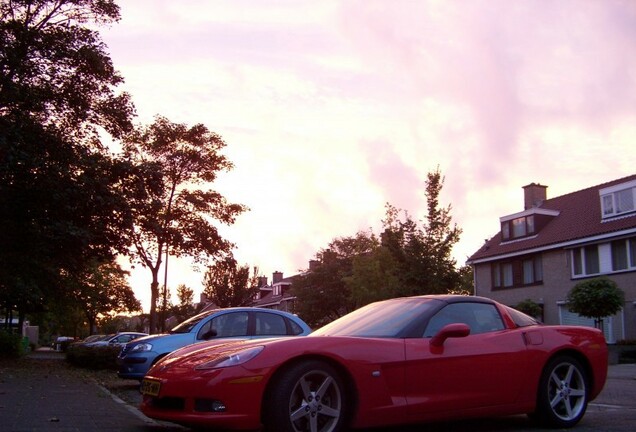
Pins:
x,y
530,307
596,298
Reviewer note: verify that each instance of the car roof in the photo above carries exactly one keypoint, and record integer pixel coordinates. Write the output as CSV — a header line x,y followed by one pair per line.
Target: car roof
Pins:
x,y
456,298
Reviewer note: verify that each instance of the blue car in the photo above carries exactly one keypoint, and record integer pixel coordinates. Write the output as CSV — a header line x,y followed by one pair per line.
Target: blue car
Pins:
x,y
136,357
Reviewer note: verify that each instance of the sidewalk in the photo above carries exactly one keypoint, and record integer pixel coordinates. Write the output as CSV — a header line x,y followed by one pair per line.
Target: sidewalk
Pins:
x,y
43,398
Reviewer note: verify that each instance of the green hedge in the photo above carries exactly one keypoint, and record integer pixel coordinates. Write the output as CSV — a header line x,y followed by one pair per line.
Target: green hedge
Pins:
x,y
10,345
93,357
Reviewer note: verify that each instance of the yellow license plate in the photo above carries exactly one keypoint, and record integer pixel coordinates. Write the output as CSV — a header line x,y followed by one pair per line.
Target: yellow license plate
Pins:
x,y
150,387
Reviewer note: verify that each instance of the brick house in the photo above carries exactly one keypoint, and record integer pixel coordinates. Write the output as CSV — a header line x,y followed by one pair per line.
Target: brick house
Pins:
x,y
277,295
540,253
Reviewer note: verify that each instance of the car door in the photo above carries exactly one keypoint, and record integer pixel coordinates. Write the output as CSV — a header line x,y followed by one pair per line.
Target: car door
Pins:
x,y
478,370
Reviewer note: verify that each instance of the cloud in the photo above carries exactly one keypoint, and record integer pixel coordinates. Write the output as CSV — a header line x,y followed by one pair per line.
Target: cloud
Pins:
x,y
331,109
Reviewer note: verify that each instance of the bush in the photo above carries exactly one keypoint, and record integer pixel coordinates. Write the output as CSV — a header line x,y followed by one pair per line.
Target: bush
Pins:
x,y
93,357
529,307
10,345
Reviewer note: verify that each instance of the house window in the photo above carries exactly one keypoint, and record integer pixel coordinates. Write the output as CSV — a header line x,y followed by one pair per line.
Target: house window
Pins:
x,y
624,254
496,275
585,261
591,260
505,230
520,227
507,273
532,271
618,200
619,255
519,272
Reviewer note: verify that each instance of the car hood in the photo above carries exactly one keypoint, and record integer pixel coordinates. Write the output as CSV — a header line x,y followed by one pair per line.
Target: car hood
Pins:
x,y
277,350
192,355
165,342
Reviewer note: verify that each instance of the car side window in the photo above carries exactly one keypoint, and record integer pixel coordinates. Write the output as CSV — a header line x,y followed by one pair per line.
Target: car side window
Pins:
x,y
121,339
295,328
480,317
269,324
225,325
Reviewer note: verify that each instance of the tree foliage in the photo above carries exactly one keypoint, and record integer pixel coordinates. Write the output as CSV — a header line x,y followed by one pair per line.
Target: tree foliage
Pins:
x,y
596,298
103,290
185,308
61,201
323,293
408,258
227,284
177,213
530,307
55,69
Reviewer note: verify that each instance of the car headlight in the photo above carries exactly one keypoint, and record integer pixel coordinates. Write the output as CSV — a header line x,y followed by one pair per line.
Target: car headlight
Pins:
x,y
231,359
141,347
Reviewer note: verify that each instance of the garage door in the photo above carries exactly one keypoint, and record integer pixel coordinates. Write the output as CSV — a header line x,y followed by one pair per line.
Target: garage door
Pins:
x,y
612,326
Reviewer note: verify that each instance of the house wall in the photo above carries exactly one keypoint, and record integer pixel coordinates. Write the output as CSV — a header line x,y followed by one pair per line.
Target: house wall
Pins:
x,y
557,282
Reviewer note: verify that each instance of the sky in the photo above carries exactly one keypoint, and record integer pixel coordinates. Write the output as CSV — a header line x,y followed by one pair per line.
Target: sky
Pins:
x,y
330,109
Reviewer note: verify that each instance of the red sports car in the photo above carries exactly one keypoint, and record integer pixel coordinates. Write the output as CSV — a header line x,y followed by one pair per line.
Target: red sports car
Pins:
x,y
405,360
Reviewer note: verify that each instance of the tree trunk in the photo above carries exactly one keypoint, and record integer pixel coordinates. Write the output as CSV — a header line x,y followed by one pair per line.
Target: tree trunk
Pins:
x,y
154,295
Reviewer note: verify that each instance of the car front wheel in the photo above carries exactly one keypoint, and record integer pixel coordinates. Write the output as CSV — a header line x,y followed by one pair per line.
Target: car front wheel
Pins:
x,y
308,397
563,393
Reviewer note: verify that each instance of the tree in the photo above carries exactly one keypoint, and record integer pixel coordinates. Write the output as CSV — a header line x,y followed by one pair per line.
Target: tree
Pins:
x,y
60,205
103,291
54,68
407,259
186,307
227,285
323,292
423,253
374,277
177,218
596,298
530,307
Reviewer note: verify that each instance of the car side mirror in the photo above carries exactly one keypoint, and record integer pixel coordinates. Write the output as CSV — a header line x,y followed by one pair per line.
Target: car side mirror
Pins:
x,y
455,330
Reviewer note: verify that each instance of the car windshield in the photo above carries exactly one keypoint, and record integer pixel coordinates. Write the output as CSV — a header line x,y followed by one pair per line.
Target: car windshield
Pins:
x,y
188,325
382,319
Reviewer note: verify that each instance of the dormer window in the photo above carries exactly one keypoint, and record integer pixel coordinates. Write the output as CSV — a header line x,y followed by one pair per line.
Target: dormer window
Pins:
x,y
528,223
518,227
618,200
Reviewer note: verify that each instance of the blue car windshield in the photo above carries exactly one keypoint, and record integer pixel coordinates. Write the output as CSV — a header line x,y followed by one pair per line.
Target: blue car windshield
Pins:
x,y
382,319
188,325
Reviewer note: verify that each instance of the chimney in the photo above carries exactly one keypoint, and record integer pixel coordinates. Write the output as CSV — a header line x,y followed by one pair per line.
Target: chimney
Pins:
x,y
203,299
534,194
262,281
313,264
277,277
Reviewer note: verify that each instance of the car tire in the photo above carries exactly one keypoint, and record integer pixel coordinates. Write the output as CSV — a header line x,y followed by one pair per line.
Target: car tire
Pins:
x,y
563,393
306,397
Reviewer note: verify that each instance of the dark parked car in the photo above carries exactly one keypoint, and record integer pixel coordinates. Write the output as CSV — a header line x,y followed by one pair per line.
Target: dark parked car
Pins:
x,y
116,339
216,325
